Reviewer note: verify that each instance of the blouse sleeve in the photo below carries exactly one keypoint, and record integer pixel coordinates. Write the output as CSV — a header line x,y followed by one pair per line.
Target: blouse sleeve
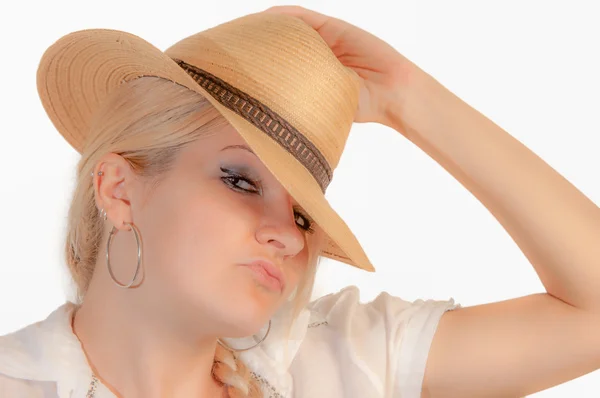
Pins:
x,y
387,339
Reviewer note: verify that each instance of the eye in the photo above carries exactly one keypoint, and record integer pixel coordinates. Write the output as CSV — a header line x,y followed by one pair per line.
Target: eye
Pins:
x,y
303,221
239,182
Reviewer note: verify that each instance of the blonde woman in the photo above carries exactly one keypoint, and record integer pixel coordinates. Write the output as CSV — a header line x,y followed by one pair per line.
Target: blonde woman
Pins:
x,y
199,216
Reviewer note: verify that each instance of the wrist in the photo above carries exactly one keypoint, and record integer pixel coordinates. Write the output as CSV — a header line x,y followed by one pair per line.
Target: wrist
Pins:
x,y
415,102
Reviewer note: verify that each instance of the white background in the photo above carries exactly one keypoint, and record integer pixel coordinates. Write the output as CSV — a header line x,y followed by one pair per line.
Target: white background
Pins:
x,y
531,66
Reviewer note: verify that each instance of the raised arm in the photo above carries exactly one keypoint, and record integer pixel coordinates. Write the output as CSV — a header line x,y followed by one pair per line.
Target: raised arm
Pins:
x,y
527,344
520,346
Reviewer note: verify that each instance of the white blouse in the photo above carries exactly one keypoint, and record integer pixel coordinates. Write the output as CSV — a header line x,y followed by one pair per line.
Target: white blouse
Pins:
x,y
338,348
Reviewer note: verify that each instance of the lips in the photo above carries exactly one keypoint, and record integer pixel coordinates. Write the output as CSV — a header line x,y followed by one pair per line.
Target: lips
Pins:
x,y
268,273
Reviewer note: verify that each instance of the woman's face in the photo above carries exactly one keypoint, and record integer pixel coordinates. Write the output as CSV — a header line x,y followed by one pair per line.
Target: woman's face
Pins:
x,y
216,211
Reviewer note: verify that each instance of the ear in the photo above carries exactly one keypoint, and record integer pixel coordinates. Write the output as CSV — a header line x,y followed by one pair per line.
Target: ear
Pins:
x,y
114,188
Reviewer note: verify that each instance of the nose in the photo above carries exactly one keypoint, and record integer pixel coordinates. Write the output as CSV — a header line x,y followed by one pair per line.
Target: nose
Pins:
x,y
282,235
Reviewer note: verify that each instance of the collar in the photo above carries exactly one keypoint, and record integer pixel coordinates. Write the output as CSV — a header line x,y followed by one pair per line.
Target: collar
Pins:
x,y
47,350
271,360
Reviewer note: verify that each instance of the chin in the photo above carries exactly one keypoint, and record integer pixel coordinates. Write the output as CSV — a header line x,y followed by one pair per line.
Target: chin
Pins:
x,y
248,313
244,326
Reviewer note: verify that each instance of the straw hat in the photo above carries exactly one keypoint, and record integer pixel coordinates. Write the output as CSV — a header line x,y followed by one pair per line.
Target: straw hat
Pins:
x,y
271,76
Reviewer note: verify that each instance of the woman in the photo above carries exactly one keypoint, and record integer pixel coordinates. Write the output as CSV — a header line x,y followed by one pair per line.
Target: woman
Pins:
x,y
199,215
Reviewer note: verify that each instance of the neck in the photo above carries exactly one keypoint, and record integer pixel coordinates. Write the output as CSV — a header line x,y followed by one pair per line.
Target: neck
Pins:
x,y
135,355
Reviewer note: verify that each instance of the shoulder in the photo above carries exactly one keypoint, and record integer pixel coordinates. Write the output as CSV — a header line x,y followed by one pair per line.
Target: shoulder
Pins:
x,y
382,343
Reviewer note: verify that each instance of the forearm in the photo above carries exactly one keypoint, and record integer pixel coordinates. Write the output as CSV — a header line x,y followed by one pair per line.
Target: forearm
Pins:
x,y
553,223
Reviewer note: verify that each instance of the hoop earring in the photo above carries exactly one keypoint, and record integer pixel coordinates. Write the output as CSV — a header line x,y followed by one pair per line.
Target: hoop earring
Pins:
x,y
222,344
136,233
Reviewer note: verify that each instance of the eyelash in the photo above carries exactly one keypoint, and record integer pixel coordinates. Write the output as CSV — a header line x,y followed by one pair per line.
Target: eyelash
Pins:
x,y
309,228
232,178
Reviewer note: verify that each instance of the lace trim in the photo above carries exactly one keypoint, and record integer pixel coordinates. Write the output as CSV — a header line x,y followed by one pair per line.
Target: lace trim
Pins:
x,y
92,389
315,324
267,387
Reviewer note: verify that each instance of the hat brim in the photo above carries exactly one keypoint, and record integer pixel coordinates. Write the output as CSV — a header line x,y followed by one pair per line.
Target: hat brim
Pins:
x,y
83,68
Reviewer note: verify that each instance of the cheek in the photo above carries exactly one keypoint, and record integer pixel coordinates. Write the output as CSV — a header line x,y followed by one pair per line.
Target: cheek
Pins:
x,y
196,237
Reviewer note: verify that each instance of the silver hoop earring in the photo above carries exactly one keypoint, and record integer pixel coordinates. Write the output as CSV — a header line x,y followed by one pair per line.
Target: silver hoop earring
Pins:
x,y
245,349
113,232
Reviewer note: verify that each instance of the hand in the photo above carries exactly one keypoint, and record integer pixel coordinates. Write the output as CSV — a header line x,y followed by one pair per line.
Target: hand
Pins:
x,y
383,70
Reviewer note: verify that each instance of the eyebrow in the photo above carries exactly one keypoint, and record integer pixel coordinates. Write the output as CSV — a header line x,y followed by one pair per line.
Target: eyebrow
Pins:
x,y
244,147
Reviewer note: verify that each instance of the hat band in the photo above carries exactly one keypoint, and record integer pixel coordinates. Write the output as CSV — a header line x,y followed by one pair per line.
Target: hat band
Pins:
x,y
266,120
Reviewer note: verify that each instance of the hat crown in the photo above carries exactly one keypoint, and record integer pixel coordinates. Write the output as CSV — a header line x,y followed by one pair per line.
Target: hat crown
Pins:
x,y
283,63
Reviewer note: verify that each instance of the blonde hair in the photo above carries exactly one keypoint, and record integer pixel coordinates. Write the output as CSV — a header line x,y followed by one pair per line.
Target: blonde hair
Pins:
x,y
147,122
